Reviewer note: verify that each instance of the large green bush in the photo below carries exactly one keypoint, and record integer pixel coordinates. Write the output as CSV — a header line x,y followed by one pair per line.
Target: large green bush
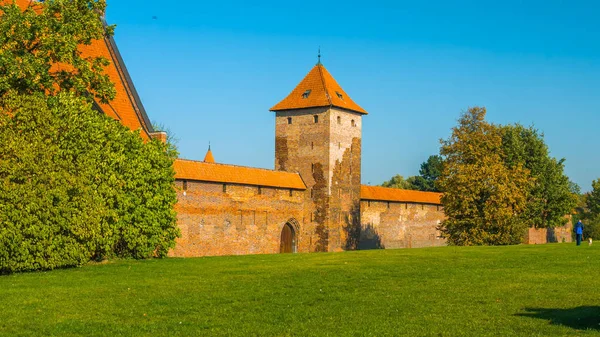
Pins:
x,y
76,185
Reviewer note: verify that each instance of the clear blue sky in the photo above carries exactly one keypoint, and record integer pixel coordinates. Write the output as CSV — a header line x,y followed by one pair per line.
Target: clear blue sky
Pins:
x,y
210,71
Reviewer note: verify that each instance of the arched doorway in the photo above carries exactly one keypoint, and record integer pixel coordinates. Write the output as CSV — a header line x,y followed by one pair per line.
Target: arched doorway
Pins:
x,y
289,240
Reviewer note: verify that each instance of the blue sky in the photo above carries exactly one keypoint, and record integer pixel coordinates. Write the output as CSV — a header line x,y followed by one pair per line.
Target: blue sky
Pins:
x,y
210,71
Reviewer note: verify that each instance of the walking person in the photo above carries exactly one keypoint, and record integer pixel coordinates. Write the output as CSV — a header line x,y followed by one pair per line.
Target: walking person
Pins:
x,y
578,232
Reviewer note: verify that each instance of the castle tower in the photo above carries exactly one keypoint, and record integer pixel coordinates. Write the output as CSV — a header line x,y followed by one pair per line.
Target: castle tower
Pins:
x,y
318,134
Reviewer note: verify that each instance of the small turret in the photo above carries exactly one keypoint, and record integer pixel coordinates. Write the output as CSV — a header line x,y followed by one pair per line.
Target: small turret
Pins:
x,y
208,158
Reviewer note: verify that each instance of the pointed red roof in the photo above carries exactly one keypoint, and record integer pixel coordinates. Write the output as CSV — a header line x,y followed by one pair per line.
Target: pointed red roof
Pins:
x,y
318,89
209,157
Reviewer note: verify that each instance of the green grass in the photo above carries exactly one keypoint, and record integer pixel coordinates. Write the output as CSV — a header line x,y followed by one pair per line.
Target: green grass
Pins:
x,y
546,290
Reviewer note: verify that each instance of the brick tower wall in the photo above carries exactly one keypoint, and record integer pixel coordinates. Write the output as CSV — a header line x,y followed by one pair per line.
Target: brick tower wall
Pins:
x,y
345,145
327,155
301,146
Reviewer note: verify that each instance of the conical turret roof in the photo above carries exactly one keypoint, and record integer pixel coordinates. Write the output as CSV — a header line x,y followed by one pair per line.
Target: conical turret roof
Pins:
x,y
318,89
208,158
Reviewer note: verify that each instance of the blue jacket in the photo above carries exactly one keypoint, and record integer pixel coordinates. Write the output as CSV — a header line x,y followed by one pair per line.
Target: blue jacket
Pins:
x,y
579,228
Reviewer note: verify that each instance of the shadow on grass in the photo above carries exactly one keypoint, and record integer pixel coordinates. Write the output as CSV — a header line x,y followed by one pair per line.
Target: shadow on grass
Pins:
x,y
581,318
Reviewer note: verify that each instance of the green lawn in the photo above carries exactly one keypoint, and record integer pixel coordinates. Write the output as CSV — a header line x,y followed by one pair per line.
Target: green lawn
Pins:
x,y
546,290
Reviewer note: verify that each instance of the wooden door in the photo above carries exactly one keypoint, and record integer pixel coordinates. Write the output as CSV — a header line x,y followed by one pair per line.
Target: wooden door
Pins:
x,y
287,239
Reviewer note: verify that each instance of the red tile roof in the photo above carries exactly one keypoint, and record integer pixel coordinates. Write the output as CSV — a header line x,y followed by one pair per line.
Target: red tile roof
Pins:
x,y
126,107
394,194
318,89
201,171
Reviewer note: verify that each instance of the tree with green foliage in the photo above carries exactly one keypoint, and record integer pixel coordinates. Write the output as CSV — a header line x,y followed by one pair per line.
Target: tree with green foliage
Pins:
x,y
592,212
41,49
75,185
593,199
550,196
428,174
398,181
483,198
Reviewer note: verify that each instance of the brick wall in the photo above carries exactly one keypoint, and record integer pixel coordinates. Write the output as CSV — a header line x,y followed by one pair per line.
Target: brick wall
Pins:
x,y
536,236
245,220
399,225
239,220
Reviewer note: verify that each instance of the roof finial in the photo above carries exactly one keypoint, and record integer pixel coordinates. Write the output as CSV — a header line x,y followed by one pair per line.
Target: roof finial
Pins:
x,y
319,56
209,145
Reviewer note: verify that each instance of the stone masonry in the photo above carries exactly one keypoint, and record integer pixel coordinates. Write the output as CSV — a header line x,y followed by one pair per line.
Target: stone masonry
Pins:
x,y
323,146
227,219
388,224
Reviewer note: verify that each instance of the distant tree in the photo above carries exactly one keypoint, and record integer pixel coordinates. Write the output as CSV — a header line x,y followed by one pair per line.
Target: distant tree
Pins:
x,y
398,181
428,174
591,213
550,195
41,49
483,198
593,199
574,188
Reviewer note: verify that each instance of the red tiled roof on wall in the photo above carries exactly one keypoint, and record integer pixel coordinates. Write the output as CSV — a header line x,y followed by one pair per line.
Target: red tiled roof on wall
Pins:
x,y
220,173
394,194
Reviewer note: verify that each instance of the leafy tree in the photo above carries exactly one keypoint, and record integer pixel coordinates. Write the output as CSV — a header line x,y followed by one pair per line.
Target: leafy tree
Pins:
x,y
76,185
591,227
483,198
41,49
550,195
593,199
429,173
592,215
574,188
398,181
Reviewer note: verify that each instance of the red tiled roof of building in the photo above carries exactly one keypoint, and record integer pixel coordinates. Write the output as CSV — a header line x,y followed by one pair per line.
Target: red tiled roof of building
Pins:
x,y
126,107
318,89
395,194
201,171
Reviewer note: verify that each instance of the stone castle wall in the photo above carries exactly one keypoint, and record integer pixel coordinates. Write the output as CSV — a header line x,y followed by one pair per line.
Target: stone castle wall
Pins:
x,y
537,236
242,219
236,219
400,225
